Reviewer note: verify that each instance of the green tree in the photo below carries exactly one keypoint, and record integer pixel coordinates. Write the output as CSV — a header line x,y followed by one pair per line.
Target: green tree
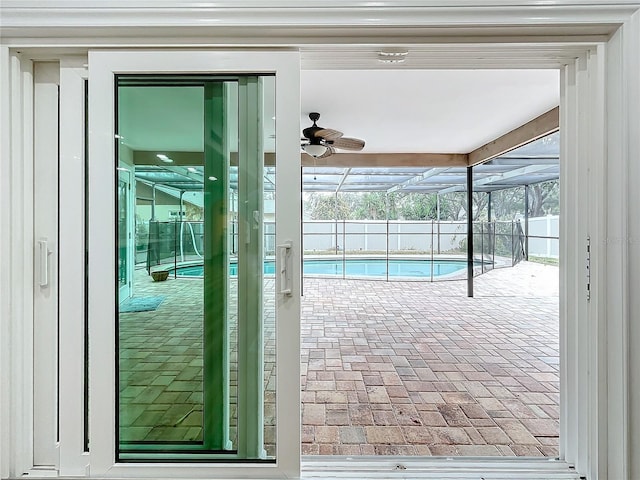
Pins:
x,y
322,206
419,206
480,201
544,199
507,204
375,206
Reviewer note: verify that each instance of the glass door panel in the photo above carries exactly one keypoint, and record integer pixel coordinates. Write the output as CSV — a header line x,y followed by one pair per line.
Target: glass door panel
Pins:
x,y
195,331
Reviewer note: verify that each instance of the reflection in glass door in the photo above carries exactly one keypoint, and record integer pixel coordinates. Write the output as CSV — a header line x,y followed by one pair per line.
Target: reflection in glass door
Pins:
x,y
195,332
125,269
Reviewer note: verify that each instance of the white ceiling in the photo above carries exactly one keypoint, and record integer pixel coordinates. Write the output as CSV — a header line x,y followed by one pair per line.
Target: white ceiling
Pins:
x,y
169,118
396,110
162,118
428,111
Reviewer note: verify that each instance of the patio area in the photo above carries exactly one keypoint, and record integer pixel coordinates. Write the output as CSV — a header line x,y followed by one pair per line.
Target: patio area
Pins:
x,y
388,368
420,369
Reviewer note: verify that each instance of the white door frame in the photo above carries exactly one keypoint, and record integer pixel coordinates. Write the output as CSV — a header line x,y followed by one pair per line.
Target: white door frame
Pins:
x,y
73,459
103,66
46,77
603,443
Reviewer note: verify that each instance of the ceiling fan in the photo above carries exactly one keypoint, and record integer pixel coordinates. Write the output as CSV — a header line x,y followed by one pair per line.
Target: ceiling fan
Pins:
x,y
322,142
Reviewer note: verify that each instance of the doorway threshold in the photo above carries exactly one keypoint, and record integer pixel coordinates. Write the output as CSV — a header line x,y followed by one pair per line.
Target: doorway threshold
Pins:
x,y
441,468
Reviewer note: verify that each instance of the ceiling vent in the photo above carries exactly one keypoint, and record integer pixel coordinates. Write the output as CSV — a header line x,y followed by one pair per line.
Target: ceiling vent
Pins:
x,y
392,55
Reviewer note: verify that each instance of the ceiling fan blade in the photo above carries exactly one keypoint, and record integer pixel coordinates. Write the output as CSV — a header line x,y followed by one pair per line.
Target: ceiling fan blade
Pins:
x,y
330,151
347,143
328,134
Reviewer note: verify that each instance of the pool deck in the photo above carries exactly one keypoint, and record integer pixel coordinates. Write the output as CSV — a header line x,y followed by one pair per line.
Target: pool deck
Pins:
x,y
388,368
405,368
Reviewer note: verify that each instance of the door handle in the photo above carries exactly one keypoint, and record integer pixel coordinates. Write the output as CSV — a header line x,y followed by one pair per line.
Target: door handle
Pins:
x,y
284,257
43,248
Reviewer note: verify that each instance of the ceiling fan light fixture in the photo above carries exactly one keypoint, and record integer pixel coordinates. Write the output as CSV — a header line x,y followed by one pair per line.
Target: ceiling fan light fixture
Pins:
x,y
320,142
314,150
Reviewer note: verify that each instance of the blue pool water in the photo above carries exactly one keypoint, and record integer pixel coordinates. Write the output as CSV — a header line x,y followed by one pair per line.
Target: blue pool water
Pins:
x,y
355,267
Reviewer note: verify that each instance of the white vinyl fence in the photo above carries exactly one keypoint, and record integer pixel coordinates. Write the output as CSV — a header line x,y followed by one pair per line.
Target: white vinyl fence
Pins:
x,y
544,237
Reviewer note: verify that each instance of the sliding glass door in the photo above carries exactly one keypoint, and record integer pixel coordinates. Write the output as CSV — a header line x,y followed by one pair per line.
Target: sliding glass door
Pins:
x,y
202,363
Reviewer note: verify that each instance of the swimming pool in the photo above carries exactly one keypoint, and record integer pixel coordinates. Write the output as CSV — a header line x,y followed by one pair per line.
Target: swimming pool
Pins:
x,y
370,267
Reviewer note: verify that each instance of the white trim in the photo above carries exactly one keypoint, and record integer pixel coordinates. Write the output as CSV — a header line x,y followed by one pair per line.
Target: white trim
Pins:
x,y
252,4
101,296
17,268
102,67
631,32
285,14
289,186
435,468
567,415
617,268
583,355
596,391
19,262
573,256
580,314
451,56
5,281
73,459
623,120
45,227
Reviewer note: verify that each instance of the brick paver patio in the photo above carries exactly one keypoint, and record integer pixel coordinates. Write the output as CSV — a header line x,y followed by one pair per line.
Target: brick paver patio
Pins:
x,y
397,368
420,369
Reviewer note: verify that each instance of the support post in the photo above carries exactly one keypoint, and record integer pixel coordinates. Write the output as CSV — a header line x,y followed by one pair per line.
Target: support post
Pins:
x,y
386,217
336,218
492,231
344,243
469,231
153,202
234,223
482,246
175,250
438,219
387,256
386,206
526,222
181,230
180,214
431,250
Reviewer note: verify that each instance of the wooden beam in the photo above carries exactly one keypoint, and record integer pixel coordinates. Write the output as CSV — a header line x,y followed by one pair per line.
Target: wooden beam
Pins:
x,y
355,160
545,124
